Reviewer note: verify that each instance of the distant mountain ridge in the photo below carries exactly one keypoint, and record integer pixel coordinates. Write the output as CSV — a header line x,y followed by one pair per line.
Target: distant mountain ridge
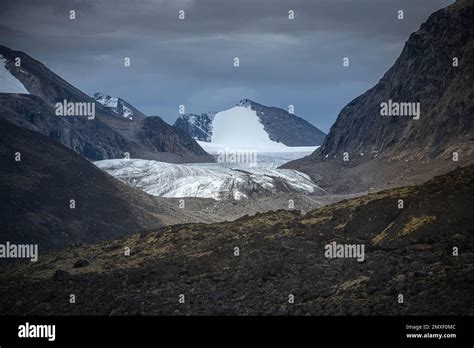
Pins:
x,y
109,135
119,106
280,125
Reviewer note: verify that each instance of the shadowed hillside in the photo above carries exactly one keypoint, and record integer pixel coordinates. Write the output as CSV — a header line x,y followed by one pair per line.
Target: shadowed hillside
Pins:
x,y
408,251
36,193
435,69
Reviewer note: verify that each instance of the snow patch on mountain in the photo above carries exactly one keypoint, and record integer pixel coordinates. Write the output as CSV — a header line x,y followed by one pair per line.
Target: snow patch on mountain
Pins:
x,y
240,128
176,180
8,82
251,126
106,100
117,105
240,125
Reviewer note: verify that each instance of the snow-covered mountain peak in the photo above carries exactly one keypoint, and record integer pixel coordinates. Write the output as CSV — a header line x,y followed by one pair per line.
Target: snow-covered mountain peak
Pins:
x,y
247,103
251,126
116,105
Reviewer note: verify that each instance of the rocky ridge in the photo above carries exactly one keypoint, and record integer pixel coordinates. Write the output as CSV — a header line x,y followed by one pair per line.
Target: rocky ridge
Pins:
x,y
107,135
408,251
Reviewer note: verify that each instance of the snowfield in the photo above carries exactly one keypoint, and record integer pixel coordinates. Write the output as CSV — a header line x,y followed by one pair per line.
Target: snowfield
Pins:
x,y
177,180
8,82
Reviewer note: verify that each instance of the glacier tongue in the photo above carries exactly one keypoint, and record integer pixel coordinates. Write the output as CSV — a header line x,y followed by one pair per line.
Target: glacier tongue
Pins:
x,y
8,82
177,180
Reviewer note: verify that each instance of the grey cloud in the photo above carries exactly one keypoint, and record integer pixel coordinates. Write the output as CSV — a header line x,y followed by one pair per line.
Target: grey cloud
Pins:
x,y
173,62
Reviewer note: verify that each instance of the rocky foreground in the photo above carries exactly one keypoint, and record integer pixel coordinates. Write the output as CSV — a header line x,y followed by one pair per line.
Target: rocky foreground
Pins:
x,y
280,265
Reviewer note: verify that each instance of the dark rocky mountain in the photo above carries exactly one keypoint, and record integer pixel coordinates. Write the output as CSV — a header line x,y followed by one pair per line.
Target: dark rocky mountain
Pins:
x,y
436,70
119,106
165,138
407,251
93,139
36,193
39,80
108,135
280,125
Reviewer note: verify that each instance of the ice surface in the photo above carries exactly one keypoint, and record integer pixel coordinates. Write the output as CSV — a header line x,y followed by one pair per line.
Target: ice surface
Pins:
x,y
178,180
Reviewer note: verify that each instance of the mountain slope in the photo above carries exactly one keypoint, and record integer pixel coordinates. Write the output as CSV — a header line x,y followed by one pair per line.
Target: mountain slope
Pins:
x,y
408,251
176,145
93,139
39,80
37,190
284,127
424,74
197,126
262,125
107,135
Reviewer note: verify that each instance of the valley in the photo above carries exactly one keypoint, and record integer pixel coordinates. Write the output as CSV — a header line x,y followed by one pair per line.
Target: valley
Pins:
x,y
281,253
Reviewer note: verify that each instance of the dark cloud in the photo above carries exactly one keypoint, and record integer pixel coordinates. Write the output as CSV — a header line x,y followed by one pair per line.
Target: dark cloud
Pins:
x,y
191,62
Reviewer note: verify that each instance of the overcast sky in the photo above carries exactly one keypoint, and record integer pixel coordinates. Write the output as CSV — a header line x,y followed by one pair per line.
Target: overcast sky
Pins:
x,y
190,61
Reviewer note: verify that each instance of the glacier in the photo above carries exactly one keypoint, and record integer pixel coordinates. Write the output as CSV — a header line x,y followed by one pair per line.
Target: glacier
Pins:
x,y
181,180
